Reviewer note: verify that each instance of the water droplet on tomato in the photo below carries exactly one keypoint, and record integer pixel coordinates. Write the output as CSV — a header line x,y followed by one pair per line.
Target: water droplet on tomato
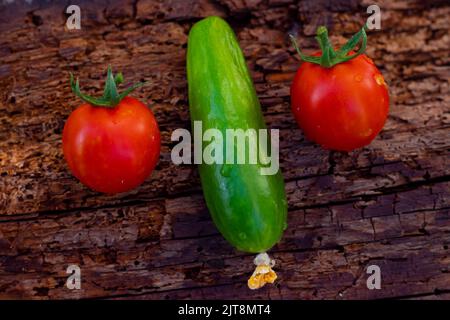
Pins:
x,y
368,132
358,78
379,80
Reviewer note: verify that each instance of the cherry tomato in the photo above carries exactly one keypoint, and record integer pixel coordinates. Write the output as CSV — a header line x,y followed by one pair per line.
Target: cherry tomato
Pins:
x,y
342,107
112,149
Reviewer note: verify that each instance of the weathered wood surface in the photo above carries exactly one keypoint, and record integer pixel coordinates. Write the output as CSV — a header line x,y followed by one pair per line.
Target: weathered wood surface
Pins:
x,y
386,204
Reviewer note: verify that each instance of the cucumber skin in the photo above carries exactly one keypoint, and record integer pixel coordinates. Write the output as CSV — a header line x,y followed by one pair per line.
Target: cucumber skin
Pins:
x,y
249,209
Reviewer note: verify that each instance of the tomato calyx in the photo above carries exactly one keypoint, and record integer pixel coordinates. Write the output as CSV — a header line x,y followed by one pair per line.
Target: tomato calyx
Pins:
x,y
330,57
111,97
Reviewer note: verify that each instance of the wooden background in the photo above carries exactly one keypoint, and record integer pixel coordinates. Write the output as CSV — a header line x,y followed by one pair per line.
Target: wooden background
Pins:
x,y
386,204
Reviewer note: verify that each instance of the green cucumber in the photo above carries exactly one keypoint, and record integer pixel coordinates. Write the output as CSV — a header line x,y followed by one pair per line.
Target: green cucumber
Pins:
x,y
248,208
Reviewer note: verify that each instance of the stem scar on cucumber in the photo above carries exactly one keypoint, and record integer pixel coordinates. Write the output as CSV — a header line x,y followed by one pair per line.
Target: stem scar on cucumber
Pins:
x,y
248,208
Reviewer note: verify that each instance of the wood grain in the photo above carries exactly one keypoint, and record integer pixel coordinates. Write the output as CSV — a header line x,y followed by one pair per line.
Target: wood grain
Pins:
x,y
386,204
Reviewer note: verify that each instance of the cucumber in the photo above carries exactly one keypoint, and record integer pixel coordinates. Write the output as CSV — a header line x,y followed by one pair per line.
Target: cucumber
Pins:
x,y
248,208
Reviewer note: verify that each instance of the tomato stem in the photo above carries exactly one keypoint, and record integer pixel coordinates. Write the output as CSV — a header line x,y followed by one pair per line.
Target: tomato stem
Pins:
x,y
111,96
330,57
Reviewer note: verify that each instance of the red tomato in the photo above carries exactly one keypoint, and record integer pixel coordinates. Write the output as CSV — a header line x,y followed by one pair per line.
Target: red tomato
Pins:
x,y
343,107
112,150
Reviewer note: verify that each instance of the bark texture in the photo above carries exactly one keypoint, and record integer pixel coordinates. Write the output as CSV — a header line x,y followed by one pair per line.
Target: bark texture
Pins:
x,y
387,204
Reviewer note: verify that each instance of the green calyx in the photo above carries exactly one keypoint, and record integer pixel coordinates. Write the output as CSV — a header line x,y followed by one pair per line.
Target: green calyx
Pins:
x,y
330,57
111,97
